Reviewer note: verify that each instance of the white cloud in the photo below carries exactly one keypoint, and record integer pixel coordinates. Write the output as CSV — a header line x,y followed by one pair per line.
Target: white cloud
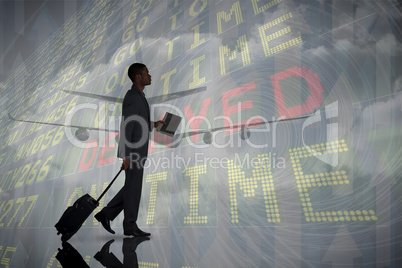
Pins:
x,y
397,87
382,112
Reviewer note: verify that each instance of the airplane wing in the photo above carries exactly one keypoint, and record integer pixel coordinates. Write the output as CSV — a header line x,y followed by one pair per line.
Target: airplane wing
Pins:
x,y
61,125
244,130
151,100
243,126
95,96
175,95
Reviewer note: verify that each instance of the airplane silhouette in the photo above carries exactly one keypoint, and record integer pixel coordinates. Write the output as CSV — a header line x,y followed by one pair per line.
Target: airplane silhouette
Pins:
x,y
82,132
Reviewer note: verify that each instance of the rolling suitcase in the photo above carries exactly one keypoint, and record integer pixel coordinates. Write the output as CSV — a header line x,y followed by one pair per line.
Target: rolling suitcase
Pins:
x,y
74,216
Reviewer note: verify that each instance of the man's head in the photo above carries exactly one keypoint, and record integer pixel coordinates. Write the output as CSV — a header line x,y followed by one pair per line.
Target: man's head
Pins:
x,y
138,74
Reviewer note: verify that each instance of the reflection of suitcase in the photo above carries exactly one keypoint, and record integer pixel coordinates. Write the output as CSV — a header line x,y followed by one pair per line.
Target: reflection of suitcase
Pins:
x,y
68,256
74,216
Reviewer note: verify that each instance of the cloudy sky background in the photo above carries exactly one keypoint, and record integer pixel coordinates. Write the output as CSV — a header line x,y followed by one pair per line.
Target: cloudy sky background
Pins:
x,y
365,34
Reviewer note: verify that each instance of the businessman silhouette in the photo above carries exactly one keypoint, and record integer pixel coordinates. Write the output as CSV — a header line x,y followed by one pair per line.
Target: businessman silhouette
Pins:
x,y
133,148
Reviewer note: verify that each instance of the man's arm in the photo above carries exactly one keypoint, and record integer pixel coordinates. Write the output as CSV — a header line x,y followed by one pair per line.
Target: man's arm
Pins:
x,y
126,161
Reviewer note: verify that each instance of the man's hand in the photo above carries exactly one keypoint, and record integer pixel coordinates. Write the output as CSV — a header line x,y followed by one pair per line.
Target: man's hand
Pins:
x,y
157,123
126,163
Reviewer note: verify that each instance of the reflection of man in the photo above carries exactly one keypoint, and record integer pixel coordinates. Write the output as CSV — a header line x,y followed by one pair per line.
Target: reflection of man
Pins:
x,y
108,259
134,133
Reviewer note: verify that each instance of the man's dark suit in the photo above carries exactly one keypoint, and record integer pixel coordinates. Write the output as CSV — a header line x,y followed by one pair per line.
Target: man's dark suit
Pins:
x,y
134,130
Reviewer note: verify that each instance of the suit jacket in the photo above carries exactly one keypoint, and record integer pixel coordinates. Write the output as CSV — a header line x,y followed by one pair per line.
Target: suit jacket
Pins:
x,y
135,125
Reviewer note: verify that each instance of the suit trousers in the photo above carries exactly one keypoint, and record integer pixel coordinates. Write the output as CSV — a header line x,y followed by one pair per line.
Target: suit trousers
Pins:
x,y
127,199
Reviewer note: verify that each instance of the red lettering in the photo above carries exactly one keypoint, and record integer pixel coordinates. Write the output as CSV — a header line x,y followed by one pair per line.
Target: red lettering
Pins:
x,y
195,123
160,139
151,147
315,87
106,148
90,145
232,109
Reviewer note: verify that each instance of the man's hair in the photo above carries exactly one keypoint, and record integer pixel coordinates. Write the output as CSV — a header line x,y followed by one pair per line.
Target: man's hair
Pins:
x,y
134,69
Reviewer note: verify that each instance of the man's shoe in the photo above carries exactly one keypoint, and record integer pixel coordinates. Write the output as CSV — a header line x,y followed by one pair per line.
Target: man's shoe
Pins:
x,y
137,232
104,252
105,222
106,258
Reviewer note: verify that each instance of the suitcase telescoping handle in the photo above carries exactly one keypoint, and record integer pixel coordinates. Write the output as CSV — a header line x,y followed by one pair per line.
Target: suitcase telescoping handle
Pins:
x,y
110,184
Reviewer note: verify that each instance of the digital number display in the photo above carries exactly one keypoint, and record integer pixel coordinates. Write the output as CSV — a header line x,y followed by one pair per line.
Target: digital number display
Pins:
x,y
296,139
